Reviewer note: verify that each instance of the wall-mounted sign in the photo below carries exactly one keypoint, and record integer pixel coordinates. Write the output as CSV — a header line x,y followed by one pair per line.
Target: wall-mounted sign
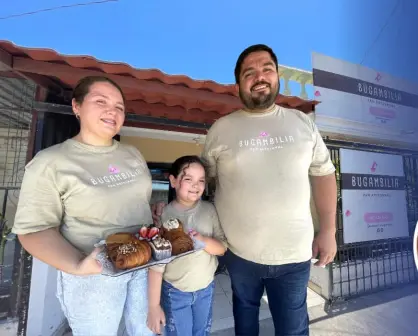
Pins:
x,y
373,196
356,98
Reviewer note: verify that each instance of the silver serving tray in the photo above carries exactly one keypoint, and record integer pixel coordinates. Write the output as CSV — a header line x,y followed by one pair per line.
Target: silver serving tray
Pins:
x,y
110,270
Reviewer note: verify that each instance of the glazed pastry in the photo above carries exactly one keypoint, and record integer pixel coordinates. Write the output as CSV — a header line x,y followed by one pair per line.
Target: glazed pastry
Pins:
x,y
161,248
171,236
173,231
127,253
113,241
119,238
173,224
181,244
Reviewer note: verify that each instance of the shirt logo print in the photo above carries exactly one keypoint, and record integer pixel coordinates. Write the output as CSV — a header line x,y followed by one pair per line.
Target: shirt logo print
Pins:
x,y
113,170
116,177
264,141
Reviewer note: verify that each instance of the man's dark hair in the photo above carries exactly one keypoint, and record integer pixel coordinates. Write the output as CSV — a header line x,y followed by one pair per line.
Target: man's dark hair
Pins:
x,y
250,50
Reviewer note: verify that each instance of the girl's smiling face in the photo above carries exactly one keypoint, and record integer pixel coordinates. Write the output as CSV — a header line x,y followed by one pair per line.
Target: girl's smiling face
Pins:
x,y
189,184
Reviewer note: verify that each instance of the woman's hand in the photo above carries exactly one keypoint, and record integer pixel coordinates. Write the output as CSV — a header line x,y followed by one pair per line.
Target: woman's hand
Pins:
x,y
53,249
89,265
155,319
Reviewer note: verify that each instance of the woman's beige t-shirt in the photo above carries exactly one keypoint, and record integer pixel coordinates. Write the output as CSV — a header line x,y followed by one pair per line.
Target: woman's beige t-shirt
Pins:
x,y
197,270
88,192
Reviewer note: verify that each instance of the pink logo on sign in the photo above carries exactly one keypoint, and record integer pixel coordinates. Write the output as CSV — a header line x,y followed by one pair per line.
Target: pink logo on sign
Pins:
x,y
113,170
348,213
378,217
378,77
263,134
317,93
373,167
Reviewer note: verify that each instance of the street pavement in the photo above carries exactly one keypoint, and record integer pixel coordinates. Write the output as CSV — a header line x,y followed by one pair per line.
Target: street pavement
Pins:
x,y
392,312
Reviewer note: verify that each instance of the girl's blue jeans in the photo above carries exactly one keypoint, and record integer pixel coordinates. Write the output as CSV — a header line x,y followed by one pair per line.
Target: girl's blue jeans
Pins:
x,y
187,313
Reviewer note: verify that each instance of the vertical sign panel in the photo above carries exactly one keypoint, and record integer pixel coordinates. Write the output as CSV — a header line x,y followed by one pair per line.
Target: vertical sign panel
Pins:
x,y
373,196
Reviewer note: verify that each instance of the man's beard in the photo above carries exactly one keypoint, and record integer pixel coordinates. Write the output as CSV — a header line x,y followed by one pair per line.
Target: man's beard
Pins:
x,y
261,102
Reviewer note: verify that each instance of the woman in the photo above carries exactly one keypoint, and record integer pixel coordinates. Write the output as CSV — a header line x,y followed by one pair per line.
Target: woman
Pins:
x,y
77,193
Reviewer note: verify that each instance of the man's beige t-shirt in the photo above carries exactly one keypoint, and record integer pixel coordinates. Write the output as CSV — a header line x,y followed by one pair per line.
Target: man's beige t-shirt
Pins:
x,y
262,164
88,192
195,271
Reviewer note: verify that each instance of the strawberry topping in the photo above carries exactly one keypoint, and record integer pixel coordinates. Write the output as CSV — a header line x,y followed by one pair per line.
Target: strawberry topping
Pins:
x,y
152,232
143,232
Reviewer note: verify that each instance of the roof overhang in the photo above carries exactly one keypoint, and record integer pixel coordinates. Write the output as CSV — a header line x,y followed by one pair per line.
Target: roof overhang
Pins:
x,y
150,93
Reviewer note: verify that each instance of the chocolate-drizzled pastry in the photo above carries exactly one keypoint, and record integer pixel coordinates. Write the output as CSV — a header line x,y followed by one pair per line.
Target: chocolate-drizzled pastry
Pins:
x,y
161,248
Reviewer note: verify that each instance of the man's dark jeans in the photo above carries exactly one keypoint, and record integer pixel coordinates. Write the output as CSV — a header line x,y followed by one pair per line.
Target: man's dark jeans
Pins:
x,y
286,287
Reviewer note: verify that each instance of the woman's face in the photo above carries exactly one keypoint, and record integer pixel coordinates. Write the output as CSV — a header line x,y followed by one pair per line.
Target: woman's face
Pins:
x,y
189,184
102,112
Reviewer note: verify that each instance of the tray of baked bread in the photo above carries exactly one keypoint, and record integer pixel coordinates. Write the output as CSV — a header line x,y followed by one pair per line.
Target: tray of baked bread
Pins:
x,y
125,252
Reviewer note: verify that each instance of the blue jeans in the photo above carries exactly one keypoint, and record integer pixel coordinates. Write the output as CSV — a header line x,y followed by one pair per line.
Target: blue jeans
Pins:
x,y
286,287
187,313
95,305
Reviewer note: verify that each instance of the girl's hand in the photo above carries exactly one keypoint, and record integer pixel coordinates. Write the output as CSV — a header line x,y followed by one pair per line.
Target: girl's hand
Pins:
x,y
196,235
155,319
212,245
89,265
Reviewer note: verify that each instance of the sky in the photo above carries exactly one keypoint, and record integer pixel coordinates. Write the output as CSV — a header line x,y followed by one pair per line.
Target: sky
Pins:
x,y
202,39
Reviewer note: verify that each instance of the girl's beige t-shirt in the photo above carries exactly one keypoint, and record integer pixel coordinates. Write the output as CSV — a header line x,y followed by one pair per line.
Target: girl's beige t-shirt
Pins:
x,y
87,192
195,271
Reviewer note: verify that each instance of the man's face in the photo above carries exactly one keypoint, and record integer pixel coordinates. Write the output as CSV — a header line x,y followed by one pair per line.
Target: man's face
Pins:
x,y
259,81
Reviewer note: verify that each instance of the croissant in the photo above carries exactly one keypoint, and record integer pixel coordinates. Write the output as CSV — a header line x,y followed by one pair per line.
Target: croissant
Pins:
x,y
132,254
119,238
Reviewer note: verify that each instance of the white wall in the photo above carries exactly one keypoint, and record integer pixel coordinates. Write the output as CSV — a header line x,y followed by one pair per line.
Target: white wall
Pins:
x,y
45,317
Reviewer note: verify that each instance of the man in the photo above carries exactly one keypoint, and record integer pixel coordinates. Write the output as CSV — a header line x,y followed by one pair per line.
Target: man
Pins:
x,y
265,158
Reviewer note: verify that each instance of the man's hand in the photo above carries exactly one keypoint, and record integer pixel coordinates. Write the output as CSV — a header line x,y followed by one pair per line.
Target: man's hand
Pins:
x,y
157,211
325,245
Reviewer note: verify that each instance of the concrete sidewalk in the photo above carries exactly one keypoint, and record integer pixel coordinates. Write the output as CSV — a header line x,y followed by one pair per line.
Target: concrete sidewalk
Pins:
x,y
393,312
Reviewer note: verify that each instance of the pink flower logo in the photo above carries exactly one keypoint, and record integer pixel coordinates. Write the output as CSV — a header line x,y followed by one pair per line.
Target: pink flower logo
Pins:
x,y
348,213
317,93
378,77
373,167
113,170
263,134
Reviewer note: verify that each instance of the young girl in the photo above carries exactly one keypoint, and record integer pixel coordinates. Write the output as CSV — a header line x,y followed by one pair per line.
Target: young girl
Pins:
x,y
188,282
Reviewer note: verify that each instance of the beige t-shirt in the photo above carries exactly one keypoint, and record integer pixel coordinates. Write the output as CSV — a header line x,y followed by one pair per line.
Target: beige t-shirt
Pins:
x,y
197,270
88,192
262,164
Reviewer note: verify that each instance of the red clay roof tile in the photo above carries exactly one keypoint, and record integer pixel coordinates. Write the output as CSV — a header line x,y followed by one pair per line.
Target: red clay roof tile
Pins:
x,y
193,105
